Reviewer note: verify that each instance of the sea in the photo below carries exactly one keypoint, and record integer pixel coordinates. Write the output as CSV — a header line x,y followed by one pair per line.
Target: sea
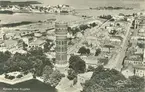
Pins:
x,y
81,6
92,3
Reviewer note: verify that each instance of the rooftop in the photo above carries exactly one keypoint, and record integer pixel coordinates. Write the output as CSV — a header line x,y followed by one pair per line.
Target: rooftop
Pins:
x,y
10,42
117,37
140,67
135,58
37,42
87,75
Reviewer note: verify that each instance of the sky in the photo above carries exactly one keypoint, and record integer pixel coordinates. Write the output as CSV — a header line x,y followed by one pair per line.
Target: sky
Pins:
x,y
91,3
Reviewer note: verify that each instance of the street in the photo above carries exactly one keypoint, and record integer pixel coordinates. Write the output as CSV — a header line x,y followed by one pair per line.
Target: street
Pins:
x,y
117,62
89,32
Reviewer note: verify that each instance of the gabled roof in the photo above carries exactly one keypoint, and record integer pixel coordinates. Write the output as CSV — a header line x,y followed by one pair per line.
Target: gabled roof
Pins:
x,y
37,42
135,58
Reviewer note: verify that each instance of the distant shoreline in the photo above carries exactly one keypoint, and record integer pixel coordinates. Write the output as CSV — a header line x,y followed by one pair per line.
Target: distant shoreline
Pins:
x,y
19,3
111,8
16,24
6,12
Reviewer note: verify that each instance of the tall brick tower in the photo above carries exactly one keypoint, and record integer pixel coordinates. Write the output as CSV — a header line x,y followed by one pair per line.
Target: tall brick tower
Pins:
x,y
61,30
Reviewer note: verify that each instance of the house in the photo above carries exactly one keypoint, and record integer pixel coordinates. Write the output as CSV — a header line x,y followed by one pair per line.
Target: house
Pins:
x,y
92,41
116,39
140,70
134,60
1,36
139,50
36,43
1,43
9,44
141,41
79,35
37,34
84,77
90,60
141,32
128,71
53,38
107,48
69,35
27,40
134,39
26,32
10,35
17,36
138,63
144,57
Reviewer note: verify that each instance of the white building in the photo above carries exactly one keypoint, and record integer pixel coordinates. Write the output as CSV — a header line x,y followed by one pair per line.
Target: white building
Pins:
x,y
84,77
27,40
140,70
129,71
9,44
116,39
36,43
134,60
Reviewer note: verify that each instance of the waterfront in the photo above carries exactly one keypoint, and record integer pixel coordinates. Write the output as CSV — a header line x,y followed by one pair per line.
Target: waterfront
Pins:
x,y
93,3
96,13
18,17
34,17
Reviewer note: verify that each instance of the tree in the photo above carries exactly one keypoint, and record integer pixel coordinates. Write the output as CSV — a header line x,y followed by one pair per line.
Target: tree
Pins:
x,y
103,61
113,32
74,31
87,51
4,56
46,47
77,64
36,51
38,67
136,82
109,46
83,50
54,78
90,68
2,70
98,51
75,80
22,65
71,74
11,65
47,71
141,45
106,17
69,29
83,27
24,46
106,80
93,24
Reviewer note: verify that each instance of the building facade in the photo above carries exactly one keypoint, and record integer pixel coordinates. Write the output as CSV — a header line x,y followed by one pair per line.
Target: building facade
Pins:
x,y
61,30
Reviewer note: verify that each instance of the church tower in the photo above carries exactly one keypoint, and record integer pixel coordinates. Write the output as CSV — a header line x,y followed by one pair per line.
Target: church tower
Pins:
x,y
61,30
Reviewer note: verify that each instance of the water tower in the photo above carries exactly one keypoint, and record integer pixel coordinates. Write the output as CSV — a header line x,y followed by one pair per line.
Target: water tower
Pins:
x,y
61,30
